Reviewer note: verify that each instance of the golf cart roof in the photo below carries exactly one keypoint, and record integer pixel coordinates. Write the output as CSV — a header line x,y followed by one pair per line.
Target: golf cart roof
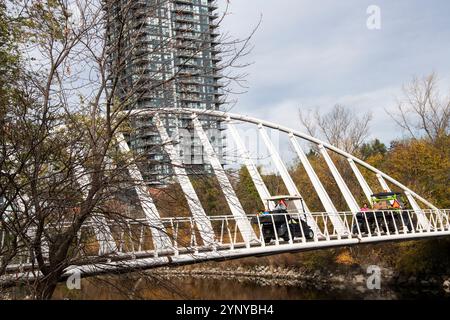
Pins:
x,y
286,198
385,194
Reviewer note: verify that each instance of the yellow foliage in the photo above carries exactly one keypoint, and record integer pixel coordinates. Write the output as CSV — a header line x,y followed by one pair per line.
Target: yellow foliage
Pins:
x,y
422,166
345,258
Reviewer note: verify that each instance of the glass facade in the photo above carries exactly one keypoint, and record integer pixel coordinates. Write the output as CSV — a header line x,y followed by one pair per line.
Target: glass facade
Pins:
x,y
165,54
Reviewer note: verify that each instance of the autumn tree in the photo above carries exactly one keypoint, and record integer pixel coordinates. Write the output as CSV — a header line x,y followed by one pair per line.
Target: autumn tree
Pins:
x,y
340,126
247,193
423,111
61,165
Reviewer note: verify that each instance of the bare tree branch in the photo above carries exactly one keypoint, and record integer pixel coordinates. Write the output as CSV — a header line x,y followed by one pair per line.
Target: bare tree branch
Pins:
x,y
423,111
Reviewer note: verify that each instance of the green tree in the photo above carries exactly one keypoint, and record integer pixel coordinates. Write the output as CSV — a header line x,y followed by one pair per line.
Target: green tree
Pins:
x,y
372,148
9,59
247,193
210,194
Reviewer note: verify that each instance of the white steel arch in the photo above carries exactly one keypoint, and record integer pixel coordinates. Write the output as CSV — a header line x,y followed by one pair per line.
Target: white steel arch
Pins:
x,y
351,201
106,242
268,124
289,183
363,183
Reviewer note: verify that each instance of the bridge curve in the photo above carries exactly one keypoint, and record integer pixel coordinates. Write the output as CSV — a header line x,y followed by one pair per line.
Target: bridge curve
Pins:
x,y
244,118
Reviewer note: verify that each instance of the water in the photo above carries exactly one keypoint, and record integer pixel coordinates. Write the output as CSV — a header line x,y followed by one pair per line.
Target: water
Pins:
x,y
135,287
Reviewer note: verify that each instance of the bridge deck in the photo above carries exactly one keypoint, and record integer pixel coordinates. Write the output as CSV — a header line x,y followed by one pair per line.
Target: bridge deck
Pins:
x,y
232,247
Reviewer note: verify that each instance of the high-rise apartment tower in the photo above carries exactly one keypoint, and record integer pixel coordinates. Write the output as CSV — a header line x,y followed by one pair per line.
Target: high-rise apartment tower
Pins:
x,y
165,54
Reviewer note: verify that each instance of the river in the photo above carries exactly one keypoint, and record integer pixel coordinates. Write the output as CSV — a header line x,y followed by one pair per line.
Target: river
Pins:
x,y
188,287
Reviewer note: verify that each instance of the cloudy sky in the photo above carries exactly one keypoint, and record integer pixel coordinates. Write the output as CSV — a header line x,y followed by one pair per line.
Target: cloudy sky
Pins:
x,y
316,53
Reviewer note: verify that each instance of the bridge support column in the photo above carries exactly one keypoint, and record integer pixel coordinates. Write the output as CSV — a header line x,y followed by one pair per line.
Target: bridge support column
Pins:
x,y
251,167
242,222
349,199
160,237
422,219
321,192
290,185
362,182
201,220
383,183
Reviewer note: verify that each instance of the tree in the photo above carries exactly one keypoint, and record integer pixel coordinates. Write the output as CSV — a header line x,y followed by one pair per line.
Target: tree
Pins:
x,y
61,165
343,129
12,101
210,194
247,193
423,110
422,166
372,148
340,126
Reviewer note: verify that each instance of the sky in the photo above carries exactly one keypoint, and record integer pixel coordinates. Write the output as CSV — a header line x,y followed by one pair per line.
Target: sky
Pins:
x,y
317,53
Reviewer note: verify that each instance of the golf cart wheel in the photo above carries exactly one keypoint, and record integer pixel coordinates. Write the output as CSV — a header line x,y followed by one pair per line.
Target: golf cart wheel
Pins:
x,y
309,234
267,239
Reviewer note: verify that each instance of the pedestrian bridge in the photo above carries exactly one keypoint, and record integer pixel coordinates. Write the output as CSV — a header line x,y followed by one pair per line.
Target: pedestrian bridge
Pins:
x,y
112,246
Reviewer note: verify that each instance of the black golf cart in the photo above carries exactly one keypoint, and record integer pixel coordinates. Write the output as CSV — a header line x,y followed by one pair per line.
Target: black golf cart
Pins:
x,y
274,223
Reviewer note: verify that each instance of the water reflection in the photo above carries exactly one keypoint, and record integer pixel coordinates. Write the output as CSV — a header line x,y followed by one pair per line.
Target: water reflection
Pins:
x,y
151,287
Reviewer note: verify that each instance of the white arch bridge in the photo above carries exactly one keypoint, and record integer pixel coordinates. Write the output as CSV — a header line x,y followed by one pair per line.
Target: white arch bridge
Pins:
x,y
153,241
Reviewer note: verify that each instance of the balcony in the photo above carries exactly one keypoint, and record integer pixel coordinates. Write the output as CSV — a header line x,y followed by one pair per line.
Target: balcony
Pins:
x,y
185,18
189,90
187,37
213,16
191,98
187,54
184,2
187,74
188,64
191,82
185,45
183,9
216,58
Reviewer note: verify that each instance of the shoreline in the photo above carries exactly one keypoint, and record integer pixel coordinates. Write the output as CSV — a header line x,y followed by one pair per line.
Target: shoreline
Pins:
x,y
266,276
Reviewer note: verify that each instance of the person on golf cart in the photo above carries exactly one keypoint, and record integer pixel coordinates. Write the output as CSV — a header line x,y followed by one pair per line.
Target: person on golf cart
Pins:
x,y
276,224
281,207
387,214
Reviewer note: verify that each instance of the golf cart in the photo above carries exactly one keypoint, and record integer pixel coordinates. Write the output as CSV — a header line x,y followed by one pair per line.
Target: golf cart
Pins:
x,y
274,223
388,212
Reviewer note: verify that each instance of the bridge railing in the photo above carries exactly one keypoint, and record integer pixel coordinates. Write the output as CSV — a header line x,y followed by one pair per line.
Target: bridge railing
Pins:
x,y
136,238
133,237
